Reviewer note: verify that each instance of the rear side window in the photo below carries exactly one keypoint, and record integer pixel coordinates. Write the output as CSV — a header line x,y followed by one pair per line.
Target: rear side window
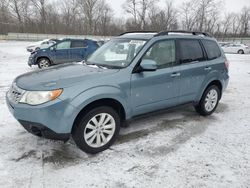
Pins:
x,y
190,51
212,49
78,44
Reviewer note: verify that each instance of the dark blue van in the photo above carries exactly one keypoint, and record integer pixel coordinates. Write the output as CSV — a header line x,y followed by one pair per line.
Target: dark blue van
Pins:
x,y
65,51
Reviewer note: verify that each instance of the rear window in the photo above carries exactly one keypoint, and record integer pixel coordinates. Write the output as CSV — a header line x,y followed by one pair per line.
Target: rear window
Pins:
x,y
78,44
212,49
190,51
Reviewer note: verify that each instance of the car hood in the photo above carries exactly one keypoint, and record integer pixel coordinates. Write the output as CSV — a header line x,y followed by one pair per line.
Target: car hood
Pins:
x,y
61,76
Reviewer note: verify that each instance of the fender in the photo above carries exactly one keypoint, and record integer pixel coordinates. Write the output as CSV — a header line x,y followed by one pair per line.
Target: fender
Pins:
x,y
43,53
212,76
101,92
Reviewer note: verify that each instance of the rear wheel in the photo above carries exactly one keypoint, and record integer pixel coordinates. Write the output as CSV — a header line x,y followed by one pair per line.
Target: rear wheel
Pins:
x,y
209,101
240,52
97,130
43,63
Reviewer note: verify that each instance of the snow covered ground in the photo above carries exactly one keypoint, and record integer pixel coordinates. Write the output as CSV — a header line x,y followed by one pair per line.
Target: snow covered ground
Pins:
x,y
176,148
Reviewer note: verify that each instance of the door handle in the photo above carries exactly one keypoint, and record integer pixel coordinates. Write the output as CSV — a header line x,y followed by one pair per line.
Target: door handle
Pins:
x,y
176,74
208,68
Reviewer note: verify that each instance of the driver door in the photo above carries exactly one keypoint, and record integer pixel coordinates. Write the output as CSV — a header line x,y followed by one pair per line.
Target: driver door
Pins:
x,y
152,91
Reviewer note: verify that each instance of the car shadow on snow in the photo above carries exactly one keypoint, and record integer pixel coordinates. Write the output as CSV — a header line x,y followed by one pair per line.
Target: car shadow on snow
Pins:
x,y
187,122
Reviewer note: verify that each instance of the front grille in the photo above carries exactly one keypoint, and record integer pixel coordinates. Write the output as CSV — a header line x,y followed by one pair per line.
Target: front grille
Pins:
x,y
15,93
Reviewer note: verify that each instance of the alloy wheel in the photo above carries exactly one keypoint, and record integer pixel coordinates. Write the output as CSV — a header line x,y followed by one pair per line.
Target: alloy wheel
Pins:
x,y
99,130
211,100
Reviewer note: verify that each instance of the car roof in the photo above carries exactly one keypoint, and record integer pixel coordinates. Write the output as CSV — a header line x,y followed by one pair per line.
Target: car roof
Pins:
x,y
143,36
168,34
70,39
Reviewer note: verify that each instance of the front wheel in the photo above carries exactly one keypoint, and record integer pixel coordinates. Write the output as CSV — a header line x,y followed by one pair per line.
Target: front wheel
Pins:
x,y
209,101
43,63
97,130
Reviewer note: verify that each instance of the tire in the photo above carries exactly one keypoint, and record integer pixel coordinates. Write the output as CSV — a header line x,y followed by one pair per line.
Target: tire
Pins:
x,y
209,101
43,63
86,133
240,52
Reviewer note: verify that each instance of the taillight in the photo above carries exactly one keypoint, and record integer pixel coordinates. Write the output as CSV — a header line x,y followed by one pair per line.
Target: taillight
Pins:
x,y
227,64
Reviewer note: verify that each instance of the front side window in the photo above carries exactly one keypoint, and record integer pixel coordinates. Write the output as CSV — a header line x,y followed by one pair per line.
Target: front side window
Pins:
x,y
116,53
63,45
190,51
212,49
163,53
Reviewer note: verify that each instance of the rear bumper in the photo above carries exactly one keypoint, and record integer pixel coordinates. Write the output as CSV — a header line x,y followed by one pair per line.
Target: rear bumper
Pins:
x,y
43,131
225,82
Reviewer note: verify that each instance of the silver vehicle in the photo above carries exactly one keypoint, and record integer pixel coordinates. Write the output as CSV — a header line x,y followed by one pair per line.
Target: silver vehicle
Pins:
x,y
40,45
236,48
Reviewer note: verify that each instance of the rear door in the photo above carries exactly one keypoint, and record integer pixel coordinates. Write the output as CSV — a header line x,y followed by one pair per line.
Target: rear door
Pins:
x,y
216,61
232,48
193,68
61,52
78,50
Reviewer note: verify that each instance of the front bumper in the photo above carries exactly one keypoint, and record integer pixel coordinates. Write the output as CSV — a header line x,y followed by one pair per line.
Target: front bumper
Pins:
x,y
247,51
31,61
43,131
53,119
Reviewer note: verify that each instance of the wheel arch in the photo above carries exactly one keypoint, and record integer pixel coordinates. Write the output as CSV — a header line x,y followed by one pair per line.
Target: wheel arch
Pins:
x,y
42,57
216,82
110,102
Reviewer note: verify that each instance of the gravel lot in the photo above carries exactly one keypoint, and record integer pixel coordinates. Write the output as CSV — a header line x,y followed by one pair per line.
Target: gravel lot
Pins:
x,y
175,148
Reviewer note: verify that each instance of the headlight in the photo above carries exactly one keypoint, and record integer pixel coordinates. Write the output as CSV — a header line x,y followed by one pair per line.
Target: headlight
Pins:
x,y
40,97
33,53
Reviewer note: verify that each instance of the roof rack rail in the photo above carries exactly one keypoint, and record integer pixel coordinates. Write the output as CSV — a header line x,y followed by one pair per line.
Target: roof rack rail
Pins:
x,y
137,32
182,31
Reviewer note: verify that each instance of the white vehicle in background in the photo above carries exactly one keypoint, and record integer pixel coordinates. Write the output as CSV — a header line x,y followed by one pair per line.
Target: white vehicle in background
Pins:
x,y
236,48
40,45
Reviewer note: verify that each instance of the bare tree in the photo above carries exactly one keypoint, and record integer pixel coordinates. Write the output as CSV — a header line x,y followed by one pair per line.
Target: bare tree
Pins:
x,y
40,6
235,24
5,17
95,17
245,19
19,10
70,11
89,9
165,19
139,10
227,23
188,15
104,19
130,6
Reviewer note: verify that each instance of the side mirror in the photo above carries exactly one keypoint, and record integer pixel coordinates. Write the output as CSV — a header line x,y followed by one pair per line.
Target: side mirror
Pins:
x,y
53,48
147,65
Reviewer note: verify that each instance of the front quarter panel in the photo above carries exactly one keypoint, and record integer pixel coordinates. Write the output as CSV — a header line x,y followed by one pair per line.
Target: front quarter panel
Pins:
x,y
43,53
101,92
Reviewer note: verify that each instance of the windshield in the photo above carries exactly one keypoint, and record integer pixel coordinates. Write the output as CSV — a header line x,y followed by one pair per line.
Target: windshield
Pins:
x,y
47,44
117,53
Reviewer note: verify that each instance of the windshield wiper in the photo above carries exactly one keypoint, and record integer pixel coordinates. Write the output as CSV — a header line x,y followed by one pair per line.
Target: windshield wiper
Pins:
x,y
94,64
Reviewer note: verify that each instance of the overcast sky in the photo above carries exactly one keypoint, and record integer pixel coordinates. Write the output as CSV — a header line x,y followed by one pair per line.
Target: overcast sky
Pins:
x,y
230,5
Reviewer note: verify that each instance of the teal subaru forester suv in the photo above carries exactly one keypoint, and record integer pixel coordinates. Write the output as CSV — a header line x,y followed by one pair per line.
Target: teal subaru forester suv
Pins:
x,y
132,74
